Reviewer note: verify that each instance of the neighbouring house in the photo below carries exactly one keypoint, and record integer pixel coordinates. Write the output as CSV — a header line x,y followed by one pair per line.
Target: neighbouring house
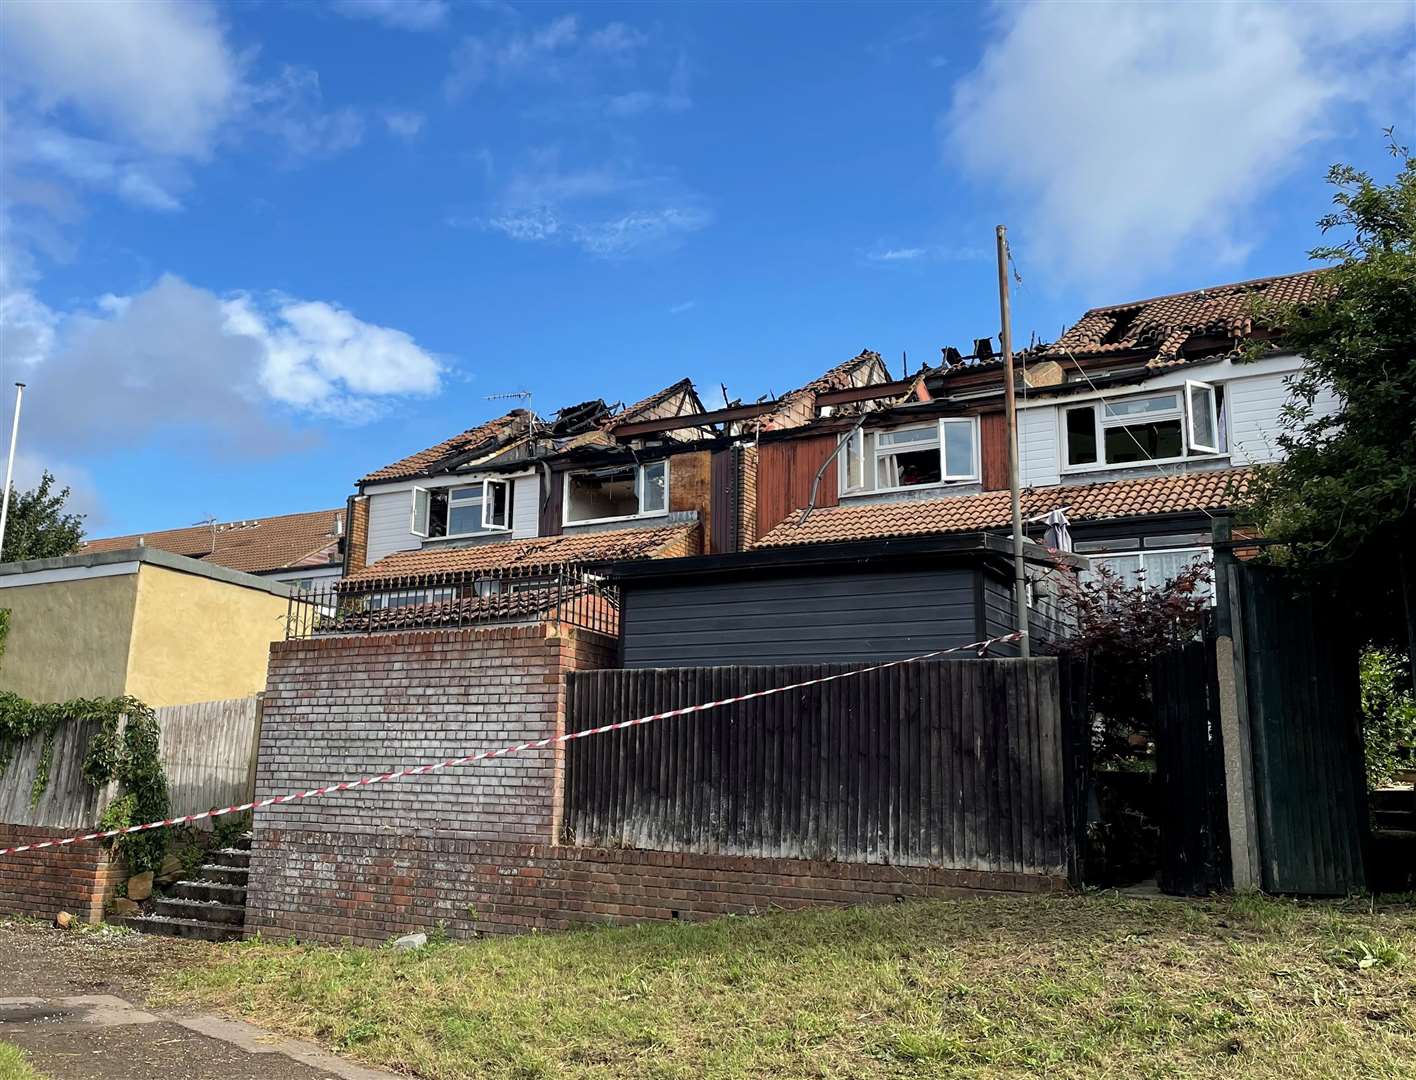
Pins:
x,y
304,550
1140,423
163,628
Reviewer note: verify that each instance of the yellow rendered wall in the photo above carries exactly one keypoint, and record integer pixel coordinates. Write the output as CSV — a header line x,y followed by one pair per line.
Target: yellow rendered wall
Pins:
x,y
68,639
196,639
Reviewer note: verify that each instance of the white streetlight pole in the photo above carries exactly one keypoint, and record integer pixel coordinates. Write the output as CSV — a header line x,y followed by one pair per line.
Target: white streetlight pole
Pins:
x,y
10,465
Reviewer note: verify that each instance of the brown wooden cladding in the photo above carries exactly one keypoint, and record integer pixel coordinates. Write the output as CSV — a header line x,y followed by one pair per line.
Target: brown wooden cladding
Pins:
x,y
785,472
691,486
953,763
993,449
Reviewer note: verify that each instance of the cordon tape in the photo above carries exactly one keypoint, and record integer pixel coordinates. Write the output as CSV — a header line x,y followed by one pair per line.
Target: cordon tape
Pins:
x,y
981,647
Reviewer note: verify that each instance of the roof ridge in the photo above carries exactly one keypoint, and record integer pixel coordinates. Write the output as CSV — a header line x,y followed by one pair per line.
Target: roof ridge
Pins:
x,y
1108,308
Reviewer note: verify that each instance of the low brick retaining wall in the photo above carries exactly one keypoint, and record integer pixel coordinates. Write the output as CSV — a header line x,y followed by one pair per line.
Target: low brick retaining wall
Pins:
x,y
79,878
394,884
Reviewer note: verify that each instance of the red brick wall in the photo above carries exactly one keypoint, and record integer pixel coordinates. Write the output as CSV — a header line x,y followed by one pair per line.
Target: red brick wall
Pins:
x,y
475,848
78,879
399,884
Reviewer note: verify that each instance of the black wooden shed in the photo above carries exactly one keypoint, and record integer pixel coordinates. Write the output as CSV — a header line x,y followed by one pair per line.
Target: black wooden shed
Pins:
x,y
825,603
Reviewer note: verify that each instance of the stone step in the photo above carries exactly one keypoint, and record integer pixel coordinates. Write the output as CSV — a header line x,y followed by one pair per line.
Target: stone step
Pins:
x,y
186,928
197,889
230,857
224,875
203,911
243,842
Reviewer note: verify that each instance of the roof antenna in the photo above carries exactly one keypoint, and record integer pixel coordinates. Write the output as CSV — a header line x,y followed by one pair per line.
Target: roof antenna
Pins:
x,y
209,520
524,396
724,388
904,364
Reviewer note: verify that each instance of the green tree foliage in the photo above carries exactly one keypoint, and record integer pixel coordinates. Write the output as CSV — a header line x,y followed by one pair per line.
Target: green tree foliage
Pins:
x,y
1388,714
38,527
1342,497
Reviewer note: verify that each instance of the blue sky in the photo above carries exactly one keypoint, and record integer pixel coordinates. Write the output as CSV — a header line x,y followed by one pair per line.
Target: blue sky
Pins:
x,y
252,251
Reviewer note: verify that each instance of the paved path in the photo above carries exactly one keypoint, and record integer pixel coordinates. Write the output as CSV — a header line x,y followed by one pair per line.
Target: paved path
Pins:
x,y
77,1009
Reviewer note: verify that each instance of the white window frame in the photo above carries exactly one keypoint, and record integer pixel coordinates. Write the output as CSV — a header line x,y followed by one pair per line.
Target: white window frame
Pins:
x,y
638,496
1211,400
863,448
427,508
435,594
1103,417
1141,553
421,529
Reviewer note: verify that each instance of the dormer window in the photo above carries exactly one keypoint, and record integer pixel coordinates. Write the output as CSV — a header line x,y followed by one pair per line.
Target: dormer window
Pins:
x,y
920,455
468,510
1165,426
616,493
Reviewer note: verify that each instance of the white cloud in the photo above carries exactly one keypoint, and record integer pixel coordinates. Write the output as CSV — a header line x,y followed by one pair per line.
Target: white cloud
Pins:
x,y
291,107
176,357
930,253
1127,131
617,37
505,55
609,210
84,498
898,254
145,181
159,73
397,14
679,309
404,123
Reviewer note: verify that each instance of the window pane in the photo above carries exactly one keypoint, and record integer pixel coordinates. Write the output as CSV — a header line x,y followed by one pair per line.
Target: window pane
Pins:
x,y
1143,442
603,493
908,468
1081,436
959,449
1142,406
1165,566
655,495
466,494
464,514
1126,567
1202,417
855,461
920,436
498,505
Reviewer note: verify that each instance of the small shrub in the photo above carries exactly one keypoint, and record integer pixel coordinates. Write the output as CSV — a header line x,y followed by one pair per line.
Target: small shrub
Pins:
x,y
1388,713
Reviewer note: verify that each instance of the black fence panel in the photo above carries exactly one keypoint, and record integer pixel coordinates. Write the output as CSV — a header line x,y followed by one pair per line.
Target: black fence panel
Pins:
x,y
953,763
1304,714
1193,822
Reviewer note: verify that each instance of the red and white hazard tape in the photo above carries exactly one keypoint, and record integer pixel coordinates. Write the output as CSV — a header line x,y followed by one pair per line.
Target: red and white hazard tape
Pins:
x,y
981,647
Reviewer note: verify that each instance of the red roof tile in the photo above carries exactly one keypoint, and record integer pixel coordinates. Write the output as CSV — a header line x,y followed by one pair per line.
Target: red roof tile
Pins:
x,y
1187,492
493,434
273,543
541,552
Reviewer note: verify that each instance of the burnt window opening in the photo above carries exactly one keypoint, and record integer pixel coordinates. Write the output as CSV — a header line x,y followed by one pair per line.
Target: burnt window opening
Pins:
x,y
616,491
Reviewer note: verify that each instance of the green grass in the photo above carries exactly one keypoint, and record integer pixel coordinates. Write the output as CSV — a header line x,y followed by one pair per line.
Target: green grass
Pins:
x,y
13,1064
1078,986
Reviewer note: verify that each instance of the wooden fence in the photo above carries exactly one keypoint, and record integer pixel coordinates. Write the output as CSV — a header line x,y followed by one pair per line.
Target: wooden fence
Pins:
x,y
956,763
208,750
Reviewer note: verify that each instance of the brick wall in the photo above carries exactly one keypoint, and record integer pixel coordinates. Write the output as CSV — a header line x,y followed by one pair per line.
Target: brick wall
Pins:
x,y
474,848
357,539
79,879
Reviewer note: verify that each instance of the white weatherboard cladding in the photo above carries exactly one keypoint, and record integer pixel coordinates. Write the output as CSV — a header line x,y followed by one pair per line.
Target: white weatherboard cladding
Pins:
x,y
390,514
1037,447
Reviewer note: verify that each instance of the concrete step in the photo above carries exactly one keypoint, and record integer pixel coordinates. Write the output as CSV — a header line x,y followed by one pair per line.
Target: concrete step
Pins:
x,y
203,911
223,875
196,889
243,842
230,856
186,928
1395,819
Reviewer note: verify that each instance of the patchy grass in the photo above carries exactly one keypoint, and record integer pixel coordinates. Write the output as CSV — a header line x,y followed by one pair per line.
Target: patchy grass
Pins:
x,y
1079,986
14,1065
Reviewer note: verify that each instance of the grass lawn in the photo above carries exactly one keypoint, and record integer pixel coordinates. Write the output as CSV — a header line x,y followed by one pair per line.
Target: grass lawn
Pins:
x,y
1074,986
13,1064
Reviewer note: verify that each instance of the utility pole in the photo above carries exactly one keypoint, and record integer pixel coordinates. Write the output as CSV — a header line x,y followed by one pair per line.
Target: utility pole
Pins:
x,y
1020,589
10,466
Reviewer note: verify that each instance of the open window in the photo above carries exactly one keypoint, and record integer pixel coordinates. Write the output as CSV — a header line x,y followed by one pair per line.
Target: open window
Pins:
x,y
615,492
1164,426
1203,425
920,455
462,511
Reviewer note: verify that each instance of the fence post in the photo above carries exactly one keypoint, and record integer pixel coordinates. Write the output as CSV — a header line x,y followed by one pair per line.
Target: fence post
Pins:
x,y
1234,713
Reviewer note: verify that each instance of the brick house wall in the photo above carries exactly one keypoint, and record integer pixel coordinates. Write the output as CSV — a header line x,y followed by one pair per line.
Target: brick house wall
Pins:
x,y
79,878
475,849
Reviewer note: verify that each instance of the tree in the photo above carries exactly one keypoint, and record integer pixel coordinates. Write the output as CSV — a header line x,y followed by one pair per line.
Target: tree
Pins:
x,y
1341,499
37,527
1119,628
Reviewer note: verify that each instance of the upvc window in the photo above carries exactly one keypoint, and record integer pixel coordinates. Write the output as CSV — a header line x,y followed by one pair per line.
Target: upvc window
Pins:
x,y
462,511
921,455
616,492
411,598
1165,426
1154,568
